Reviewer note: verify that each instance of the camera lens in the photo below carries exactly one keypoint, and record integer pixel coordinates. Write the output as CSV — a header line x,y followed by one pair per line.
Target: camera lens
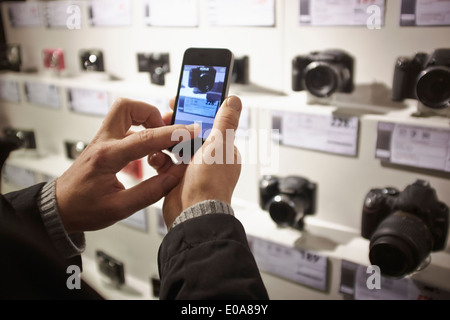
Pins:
x,y
286,211
205,82
321,79
400,243
433,87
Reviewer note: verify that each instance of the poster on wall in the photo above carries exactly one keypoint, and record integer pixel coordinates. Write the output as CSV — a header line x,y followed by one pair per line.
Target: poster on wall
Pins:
x,y
425,13
342,13
171,13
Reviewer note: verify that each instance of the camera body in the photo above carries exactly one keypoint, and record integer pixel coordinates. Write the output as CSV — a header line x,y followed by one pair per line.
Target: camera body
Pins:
x,y
202,79
53,59
10,57
425,78
287,199
404,227
92,60
157,64
323,73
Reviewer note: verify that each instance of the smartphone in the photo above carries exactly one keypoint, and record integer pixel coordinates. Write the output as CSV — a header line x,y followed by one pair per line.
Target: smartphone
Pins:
x,y
203,86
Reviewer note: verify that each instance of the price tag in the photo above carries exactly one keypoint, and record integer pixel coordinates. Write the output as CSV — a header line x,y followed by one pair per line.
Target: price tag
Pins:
x,y
9,90
19,177
172,13
110,12
59,13
88,101
27,14
137,220
341,13
329,133
425,13
242,12
301,266
416,146
43,94
362,283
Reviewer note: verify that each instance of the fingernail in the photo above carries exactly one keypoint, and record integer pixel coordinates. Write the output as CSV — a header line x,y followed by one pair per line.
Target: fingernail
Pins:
x,y
169,182
235,103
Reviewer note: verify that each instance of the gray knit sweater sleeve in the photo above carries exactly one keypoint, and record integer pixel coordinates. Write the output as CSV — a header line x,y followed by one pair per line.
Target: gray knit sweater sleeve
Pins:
x,y
202,208
74,244
67,245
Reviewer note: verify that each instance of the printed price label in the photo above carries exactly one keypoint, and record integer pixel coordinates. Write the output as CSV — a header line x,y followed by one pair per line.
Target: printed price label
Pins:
x,y
298,265
241,12
425,13
417,146
26,14
343,12
88,101
172,13
9,90
43,94
110,12
137,220
329,133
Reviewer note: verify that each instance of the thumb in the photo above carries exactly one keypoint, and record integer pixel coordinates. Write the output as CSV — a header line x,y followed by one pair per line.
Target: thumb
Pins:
x,y
228,115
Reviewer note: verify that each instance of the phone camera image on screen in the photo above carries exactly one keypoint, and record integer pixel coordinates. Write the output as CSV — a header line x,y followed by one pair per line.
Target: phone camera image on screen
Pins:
x,y
200,95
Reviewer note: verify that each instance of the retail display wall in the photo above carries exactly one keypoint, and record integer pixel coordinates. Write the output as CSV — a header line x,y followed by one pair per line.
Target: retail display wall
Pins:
x,y
312,263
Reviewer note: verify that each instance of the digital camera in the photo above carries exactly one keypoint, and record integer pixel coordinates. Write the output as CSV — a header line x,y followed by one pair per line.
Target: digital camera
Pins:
x,y
425,78
202,79
287,199
10,57
157,64
323,73
92,60
404,227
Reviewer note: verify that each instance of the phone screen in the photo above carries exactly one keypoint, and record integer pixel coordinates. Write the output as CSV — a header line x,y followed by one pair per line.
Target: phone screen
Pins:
x,y
200,96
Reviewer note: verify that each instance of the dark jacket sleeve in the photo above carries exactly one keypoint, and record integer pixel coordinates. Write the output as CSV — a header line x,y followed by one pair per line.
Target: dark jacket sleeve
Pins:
x,y
209,258
30,267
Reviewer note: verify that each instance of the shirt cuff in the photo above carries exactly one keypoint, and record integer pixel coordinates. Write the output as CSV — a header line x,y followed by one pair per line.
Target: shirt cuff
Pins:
x,y
203,208
67,245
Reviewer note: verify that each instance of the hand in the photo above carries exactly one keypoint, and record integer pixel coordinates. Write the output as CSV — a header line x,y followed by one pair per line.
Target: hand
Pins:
x,y
202,179
88,194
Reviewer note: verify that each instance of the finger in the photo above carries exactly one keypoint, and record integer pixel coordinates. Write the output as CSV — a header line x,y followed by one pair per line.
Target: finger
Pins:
x,y
146,193
159,161
167,118
149,141
227,116
172,103
124,113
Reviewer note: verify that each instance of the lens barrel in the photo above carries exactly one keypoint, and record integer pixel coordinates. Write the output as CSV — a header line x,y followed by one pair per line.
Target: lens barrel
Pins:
x,y
400,244
286,211
433,87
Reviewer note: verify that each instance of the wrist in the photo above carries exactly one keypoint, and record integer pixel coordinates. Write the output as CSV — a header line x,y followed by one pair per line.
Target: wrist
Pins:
x,y
67,245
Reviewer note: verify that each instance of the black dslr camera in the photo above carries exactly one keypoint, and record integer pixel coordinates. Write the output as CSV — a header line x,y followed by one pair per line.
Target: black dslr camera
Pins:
x,y
202,79
425,78
404,227
323,73
288,199
155,63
